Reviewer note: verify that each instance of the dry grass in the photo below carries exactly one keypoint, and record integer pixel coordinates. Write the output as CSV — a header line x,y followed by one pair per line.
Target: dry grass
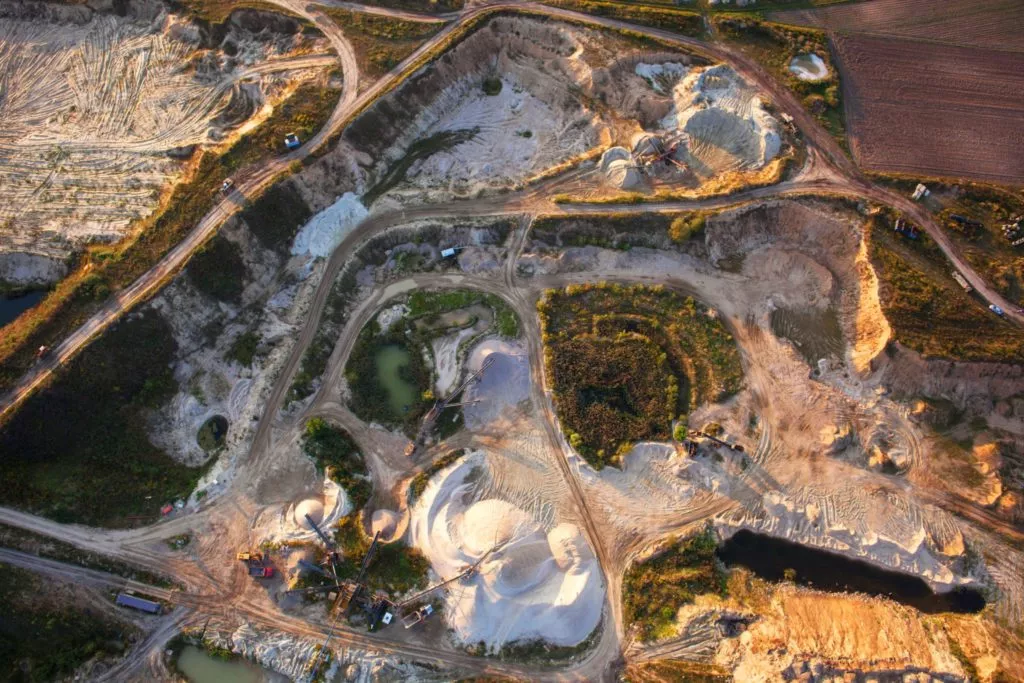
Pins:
x,y
381,43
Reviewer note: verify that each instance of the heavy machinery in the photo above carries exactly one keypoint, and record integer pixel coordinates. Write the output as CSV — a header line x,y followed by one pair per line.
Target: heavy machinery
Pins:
x,y
430,419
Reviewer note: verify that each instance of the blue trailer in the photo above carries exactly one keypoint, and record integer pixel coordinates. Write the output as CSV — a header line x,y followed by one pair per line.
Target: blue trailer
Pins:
x,y
125,600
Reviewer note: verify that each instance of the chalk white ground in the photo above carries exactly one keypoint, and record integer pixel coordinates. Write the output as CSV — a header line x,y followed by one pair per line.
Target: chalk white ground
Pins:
x,y
532,582
98,118
725,121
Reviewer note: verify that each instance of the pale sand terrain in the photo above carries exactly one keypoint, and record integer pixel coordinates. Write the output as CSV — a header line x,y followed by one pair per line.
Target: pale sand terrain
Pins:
x,y
101,114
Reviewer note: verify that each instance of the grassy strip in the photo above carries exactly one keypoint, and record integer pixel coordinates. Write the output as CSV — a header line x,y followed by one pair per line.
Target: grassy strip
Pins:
x,y
78,450
927,309
334,452
655,589
683,22
43,637
53,549
419,483
422,304
103,270
380,42
424,6
775,46
625,362
675,670
719,186
985,247
216,12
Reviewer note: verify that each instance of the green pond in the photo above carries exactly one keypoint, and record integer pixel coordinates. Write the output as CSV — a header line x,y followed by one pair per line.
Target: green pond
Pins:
x,y
199,667
390,360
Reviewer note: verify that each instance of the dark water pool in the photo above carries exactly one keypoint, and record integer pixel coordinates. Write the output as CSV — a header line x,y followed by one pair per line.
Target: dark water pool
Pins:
x,y
11,308
770,557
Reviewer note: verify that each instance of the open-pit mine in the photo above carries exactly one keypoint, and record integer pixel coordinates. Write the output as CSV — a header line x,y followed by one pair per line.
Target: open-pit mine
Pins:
x,y
444,341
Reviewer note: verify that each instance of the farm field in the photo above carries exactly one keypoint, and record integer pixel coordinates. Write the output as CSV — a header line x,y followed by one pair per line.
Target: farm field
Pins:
x,y
901,117
979,23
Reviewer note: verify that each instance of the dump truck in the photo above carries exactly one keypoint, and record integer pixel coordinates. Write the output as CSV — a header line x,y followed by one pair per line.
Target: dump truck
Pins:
x,y
261,572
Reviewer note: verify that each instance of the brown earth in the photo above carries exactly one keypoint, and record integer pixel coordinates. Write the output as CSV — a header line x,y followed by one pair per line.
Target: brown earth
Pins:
x,y
934,109
980,23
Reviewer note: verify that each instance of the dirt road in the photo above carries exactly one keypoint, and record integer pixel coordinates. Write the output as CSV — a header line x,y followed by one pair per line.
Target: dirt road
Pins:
x,y
209,592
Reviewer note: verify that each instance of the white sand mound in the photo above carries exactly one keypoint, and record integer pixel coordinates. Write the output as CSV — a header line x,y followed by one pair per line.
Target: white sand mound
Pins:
x,y
624,175
327,229
808,67
312,507
725,120
384,522
532,585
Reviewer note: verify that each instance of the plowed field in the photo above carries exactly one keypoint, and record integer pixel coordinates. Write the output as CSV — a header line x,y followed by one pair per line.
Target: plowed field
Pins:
x,y
980,23
934,109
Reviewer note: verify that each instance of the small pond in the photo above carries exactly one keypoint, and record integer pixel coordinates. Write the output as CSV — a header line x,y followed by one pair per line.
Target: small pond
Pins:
x,y
770,557
213,432
809,67
199,666
815,333
390,360
13,306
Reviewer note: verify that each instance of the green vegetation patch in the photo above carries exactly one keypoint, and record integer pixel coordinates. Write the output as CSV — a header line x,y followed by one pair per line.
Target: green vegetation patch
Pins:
x,y
655,589
243,349
687,226
775,46
624,361
396,567
927,309
44,638
333,450
683,22
77,450
381,42
217,270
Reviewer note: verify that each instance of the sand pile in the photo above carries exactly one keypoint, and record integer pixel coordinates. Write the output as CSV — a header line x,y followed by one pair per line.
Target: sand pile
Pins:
x,y
808,67
499,390
532,583
727,124
326,230
619,169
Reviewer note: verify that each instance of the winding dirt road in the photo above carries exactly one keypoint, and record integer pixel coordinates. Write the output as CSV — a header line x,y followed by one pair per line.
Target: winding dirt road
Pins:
x,y
207,592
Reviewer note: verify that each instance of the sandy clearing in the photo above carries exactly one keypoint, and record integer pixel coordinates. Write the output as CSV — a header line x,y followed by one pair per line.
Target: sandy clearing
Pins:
x,y
532,584
99,117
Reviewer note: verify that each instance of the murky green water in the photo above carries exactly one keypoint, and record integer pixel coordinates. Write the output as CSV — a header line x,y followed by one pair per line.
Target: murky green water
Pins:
x,y
815,333
200,667
401,394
